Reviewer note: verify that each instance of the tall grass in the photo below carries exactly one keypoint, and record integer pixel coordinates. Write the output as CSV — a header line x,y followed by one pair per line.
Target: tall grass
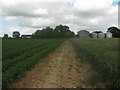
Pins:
x,y
102,54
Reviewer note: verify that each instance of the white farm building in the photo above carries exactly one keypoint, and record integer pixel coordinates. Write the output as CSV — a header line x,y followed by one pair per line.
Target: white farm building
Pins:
x,y
94,35
108,35
83,34
101,35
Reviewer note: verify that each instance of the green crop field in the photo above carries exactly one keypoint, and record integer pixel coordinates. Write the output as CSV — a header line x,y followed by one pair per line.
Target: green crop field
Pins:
x,y
102,54
20,55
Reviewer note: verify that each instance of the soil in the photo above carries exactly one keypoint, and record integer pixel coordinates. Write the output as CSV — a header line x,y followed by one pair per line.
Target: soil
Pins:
x,y
60,69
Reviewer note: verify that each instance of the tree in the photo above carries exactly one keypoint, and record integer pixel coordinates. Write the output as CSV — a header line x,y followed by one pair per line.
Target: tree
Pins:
x,y
63,31
44,33
16,34
60,31
114,30
90,35
98,32
5,36
49,32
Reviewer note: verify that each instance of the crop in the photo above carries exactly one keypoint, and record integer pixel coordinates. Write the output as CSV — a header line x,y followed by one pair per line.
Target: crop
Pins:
x,y
25,54
102,54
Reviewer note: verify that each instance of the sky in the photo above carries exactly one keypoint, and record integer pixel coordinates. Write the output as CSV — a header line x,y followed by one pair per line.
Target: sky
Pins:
x,y
27,16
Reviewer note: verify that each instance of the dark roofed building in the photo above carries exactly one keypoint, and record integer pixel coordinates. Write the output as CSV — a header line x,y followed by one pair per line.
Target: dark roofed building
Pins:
x,y
26,36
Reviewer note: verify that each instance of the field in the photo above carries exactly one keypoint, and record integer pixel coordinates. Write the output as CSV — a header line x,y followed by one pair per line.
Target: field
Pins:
x,y
60,63
102,54
21,55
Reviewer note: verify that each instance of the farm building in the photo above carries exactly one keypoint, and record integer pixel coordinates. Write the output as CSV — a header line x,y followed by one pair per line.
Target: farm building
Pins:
x,y
94,35
101,35
83,34
26,36
108,35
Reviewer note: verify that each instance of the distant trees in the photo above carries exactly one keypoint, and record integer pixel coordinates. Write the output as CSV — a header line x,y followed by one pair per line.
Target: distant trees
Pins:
x,y
16,34
90,34
63,32
98,32
5,36
60,31
115,31
44,33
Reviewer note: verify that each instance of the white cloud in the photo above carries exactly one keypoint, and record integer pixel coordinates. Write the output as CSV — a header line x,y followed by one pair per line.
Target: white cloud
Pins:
x,y
92,4
83,14
10,30
36,22
40,11
10,18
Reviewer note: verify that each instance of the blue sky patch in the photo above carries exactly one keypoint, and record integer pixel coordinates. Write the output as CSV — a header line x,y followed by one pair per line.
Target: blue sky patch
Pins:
x,y
8,23
70,4
115,2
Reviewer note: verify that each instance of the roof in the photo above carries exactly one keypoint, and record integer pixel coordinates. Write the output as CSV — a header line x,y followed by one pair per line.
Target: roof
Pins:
x,y
25,35
83,31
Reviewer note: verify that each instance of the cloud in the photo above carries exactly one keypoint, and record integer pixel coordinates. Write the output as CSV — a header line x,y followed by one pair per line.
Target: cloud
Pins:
x,y
77,14
36,22
10,30
23,9
10,18
92,4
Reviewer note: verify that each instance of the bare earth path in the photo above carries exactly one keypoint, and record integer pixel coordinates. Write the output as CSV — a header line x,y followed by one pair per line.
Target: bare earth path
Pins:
x,y
60,69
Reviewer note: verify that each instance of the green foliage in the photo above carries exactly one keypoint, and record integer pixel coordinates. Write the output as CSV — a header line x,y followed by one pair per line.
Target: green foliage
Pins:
x,y
63,31
44,33
90,35
98,32
103,55
95,78
115,31
5,36
13,69
13,51
11,62
59,32
16,34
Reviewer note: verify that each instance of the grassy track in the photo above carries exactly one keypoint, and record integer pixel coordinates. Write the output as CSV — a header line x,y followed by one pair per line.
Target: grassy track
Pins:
x,y
60,69
20,55
103,55
24,59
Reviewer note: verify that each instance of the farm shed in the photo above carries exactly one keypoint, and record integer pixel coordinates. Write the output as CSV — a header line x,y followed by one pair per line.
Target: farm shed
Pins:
x,y
101,35
83,34
94,35
26,36
108,35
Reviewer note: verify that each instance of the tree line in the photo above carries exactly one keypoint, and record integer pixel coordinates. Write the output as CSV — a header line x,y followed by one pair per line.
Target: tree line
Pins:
x,y
60,31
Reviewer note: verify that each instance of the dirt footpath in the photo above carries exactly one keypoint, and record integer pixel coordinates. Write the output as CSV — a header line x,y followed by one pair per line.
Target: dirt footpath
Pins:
x,y
60,69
